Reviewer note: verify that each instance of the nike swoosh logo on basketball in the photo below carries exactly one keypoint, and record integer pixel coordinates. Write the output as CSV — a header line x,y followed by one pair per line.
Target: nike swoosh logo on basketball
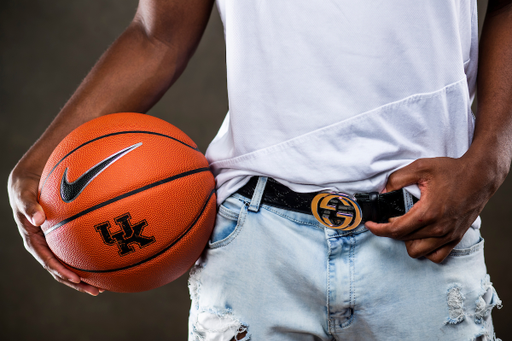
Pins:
x,y
69,191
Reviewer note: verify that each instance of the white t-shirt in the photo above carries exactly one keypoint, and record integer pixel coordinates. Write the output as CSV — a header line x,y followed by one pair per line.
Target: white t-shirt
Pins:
x,y
336,95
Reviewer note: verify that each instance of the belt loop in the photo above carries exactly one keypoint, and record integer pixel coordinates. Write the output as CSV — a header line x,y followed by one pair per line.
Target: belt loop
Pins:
x,y
258,194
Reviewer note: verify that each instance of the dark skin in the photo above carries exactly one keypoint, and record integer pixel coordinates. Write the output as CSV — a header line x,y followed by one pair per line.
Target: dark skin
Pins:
x,y
149,56
131,76
454,191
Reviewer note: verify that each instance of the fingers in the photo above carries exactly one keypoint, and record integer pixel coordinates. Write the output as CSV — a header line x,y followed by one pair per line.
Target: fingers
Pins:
x,y
404,226
36,216
439,255
36,245
23,197
59,272
29,216
53,266
434,249
398,229
422,234
421,243
439,220
32,211
65,276
408,175
82,287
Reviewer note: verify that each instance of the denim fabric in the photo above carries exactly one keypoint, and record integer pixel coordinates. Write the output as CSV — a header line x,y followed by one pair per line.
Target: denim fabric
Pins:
x,y
274,274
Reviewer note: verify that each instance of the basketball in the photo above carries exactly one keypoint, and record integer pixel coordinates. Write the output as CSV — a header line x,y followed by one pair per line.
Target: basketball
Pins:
x,y
129,200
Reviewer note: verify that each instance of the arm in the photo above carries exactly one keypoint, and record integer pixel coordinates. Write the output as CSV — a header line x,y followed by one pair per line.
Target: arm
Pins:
x,y
454,191
132,75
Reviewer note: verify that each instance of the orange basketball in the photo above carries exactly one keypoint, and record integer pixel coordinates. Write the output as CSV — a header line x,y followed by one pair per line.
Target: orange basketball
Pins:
x,y
129,200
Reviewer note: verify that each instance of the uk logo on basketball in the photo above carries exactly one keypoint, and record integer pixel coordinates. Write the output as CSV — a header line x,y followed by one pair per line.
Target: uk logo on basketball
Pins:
x,y
127,237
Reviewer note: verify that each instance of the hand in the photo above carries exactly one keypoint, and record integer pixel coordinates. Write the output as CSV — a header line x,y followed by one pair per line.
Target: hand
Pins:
x,y
453,193
29,215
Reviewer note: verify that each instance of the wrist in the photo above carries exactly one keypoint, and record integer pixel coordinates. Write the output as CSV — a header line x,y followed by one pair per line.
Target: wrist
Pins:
x,y
30,166
490,159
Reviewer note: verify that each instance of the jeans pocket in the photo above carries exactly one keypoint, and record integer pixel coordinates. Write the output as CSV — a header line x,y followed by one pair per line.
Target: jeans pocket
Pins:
x,y
228,223
470,243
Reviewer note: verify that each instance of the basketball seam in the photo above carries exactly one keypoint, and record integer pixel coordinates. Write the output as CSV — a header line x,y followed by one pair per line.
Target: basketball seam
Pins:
x,y
161,251
108,135
124,195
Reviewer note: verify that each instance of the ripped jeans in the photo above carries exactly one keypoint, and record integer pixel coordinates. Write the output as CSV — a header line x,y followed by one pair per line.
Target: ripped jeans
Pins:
x,y
274,274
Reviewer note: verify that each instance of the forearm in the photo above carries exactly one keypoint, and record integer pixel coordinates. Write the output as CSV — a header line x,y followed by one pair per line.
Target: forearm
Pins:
x,y
134,72
492,142
120,81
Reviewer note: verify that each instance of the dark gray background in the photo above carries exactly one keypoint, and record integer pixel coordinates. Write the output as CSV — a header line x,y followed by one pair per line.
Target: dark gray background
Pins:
x,y
47,47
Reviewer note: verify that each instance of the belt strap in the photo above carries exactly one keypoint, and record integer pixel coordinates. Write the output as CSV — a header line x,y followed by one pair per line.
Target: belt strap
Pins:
x,y
374,206
257,194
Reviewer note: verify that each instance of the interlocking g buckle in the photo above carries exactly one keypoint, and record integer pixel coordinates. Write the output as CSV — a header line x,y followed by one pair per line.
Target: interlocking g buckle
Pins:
x,y
336,210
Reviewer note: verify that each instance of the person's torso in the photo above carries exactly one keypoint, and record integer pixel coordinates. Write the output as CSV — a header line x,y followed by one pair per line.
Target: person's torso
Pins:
x,y
337,94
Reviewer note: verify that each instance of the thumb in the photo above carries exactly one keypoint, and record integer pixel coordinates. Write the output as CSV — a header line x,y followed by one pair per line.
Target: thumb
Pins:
x,y
37,217
31,209
408,175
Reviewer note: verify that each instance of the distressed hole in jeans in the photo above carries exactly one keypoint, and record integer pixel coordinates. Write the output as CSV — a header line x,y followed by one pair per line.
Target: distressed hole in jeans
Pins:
x,y
194,285
487,300
219,326
455,301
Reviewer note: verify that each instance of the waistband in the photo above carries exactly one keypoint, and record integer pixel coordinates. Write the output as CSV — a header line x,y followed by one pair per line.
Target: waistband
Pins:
x,y
331,209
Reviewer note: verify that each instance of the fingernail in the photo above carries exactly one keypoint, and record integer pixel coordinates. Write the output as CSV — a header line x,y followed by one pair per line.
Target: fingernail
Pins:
x,y
91,292
37,218
102,291
76,281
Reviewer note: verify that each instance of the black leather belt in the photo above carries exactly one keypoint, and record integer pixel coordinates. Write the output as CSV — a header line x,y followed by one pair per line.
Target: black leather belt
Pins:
x,y
335,210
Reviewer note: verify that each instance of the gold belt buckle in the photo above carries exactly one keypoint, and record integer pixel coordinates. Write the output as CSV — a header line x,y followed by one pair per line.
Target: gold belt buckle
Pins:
x,y
337,210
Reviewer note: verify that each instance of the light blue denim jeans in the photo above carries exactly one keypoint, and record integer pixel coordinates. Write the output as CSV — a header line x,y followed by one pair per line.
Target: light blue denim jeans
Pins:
x,y
274,274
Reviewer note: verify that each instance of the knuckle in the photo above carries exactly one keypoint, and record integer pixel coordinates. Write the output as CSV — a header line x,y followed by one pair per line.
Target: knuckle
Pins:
x,y
27,244
379,232
58,279
413,253
20,218
412,249
438,231
48,268
438,256
28,209
392,178
56,276
429,217
27,197
28,240
78,289
421,164
24,227
395,234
